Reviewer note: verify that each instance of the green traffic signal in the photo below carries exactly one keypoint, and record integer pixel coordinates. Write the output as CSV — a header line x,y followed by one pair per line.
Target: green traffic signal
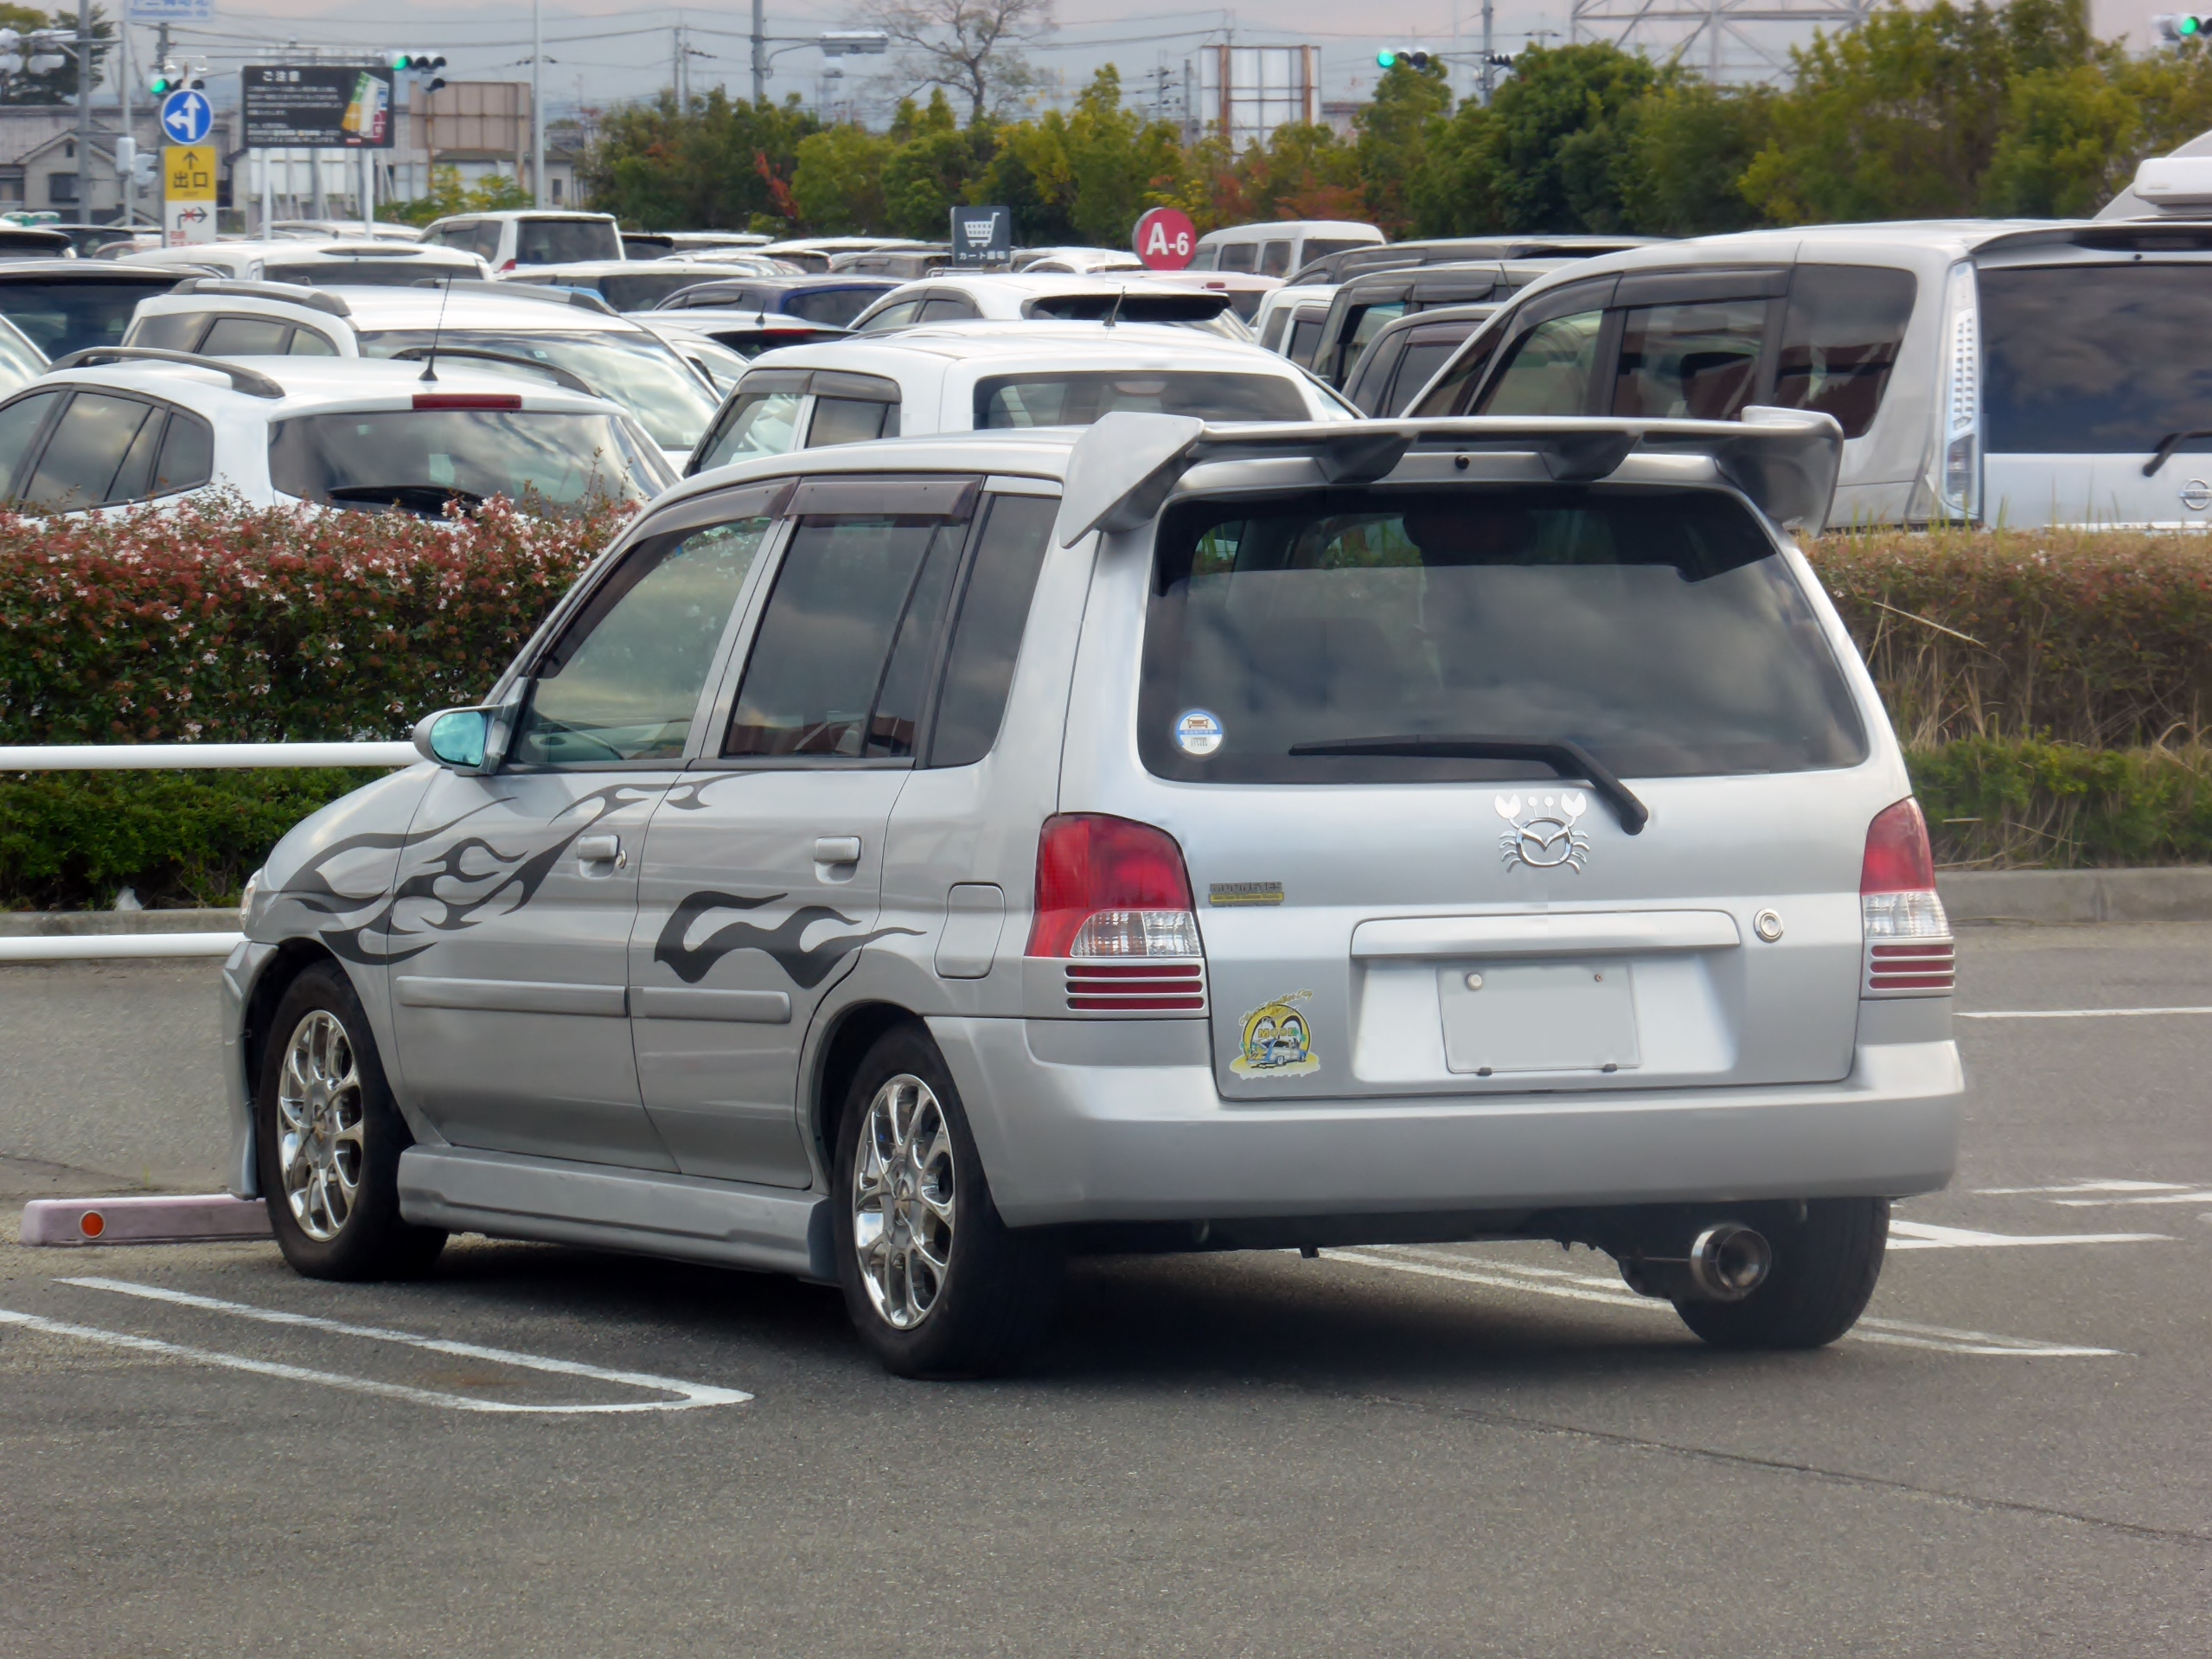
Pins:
x,y
2188,26
160,86
1386,58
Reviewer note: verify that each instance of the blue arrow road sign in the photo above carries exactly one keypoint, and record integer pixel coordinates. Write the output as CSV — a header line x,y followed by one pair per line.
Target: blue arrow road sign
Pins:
x,y
187,116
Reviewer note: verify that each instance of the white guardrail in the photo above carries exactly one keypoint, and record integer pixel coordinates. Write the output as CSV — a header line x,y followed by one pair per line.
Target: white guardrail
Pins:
x,y
169,757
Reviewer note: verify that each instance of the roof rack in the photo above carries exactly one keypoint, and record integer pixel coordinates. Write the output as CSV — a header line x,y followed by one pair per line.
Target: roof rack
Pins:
x,y
292,293
249,382
544,293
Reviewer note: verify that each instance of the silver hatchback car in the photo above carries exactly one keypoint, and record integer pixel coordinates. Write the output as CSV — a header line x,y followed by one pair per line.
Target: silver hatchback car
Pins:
x,y
904,865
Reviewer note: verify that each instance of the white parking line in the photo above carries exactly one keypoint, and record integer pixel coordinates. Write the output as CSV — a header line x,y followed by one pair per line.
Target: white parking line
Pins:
x,y
2077,1013
1925,1235
2082,1185
1576,1287
689,1395
2198,1195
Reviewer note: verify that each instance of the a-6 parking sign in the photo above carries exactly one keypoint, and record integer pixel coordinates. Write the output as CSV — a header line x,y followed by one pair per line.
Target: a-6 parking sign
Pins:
x,y
1166,239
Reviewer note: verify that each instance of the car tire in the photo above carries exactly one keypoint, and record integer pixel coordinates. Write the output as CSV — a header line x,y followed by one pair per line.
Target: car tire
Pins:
x,y
329,1139
937,1284
1824,1267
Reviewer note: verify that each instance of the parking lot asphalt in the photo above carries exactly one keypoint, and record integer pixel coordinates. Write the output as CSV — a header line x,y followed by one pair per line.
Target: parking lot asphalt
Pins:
x,y
1464,1450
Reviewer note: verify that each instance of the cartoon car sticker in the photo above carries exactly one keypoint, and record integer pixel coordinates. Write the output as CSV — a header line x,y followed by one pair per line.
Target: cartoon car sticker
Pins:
x,y
1277,1040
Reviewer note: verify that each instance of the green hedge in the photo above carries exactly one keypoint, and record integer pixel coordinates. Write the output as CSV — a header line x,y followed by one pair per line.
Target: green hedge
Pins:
x,y
1998,805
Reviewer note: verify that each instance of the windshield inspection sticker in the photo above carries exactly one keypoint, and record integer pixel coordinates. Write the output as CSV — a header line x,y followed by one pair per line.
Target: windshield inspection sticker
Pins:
x,y
1277,1040
1198,732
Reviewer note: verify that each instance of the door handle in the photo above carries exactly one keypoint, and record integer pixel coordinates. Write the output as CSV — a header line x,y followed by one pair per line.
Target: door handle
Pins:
x,y
837,849
601,849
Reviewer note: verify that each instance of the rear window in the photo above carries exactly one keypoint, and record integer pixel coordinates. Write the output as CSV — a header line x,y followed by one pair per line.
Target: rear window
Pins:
x,y
64,315
419,459
565,241
2095,359
1659,629
836,307
640,290
366,273
1077,398
1133,307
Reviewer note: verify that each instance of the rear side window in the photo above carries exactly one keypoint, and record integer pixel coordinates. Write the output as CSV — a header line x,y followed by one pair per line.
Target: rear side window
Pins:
x,y
835,307
1239,256
1369,323
1278,319
1698,361
1304,335
1427,350
1274,258
820,681
2096,359
310,342
624,682
187,455
20,423
82,458
986,636
247,337
847,420
1840,339
1660,629
1076,398
1548,370
890,317
170,332
946,308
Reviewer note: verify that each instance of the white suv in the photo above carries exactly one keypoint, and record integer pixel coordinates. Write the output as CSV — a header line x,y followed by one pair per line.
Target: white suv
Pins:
x,y
530,236
998,376
541,334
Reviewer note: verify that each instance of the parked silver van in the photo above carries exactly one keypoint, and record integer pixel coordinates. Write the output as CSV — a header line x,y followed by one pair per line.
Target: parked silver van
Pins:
x,y
902,865
1984,371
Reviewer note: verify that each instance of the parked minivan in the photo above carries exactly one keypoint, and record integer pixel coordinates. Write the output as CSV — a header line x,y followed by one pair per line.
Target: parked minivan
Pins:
x,y
528,236
906,865
1987,372
1279,247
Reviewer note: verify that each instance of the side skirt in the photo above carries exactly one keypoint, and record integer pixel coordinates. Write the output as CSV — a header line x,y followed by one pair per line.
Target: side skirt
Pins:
x,y
722,1221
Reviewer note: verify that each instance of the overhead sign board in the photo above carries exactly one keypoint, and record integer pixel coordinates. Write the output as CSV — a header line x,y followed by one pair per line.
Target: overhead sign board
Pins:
x,y
983,235
188,194
187,117
317,106
171,12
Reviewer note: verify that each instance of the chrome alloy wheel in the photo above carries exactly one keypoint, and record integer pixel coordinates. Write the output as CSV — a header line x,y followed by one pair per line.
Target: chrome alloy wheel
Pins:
x,y
903,1202
320,1146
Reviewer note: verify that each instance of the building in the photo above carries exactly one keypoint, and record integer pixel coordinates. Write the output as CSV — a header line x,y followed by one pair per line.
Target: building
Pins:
x,y
42,172
1244,92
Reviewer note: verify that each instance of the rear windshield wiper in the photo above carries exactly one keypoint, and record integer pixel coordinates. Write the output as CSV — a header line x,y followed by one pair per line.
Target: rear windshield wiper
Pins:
x,y
2167,446
1564,755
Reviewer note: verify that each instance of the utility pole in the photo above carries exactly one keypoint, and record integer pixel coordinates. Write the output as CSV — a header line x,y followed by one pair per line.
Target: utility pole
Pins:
x,y
85,111
1489,67
760,51
537,103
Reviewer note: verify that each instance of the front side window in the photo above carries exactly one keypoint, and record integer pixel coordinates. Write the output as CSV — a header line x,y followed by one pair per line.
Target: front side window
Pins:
x,y
1548,370
824,679
759,423
946,308
1427,350
1366,325
1662,630
87,452
422,459
848,420
625,680
1698,361
890,317
1078,397
21,423
1840,338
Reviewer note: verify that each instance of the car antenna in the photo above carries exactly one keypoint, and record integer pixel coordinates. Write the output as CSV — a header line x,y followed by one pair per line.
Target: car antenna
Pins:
x,y
1114,310
429,364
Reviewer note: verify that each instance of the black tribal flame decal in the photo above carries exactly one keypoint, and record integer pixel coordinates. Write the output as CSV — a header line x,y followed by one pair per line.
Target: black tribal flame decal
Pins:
x,y
516,877
806,967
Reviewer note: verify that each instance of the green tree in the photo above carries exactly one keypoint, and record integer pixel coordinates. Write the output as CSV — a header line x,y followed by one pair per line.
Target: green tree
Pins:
x,y
718,165
931,166
839,182
495,193
55,85
2073,135
1391,150
1689,144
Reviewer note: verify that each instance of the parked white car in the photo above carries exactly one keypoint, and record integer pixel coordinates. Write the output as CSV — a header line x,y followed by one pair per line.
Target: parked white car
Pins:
x,y
116,428
1004,297
351,263
987,376
1076,261
528,236
541,333
639,285
1277,247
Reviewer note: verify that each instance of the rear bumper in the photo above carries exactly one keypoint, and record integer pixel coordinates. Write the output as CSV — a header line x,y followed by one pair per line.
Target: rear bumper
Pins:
x,y
1091,1143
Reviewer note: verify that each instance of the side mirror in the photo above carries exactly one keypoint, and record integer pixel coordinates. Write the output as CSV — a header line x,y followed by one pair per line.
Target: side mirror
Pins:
x,y
458,738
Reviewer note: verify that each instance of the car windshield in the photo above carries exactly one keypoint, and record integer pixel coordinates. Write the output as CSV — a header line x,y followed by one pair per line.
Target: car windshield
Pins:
x,y
565,241
418,458
62,316
1661,630
639,371
1076,398
2096,359
366,273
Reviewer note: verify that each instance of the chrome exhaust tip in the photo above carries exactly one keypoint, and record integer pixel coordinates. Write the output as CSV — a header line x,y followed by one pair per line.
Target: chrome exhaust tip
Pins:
x,y
1730,1261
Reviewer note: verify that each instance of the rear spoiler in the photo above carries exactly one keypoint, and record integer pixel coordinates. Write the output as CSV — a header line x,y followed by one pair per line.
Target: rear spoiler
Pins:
x,y
1124,466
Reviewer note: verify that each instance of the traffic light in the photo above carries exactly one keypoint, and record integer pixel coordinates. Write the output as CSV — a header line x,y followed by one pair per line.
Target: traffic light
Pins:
x,y
425,64
164,81
1390,57
2180,26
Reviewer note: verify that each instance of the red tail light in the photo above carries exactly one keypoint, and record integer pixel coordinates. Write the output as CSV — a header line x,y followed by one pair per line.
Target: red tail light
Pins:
x,y
506,267
1908,945
1109,887
467,400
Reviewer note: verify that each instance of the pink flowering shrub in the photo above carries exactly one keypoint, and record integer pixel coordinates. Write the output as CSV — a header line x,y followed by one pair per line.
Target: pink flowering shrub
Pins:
x,y
224,623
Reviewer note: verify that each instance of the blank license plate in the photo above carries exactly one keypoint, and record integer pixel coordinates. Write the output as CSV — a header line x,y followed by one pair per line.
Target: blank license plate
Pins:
x,y
1537,1016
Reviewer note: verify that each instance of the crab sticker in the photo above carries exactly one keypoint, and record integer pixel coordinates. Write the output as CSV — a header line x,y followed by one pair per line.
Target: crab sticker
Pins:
x,y
1544,835
1277,1040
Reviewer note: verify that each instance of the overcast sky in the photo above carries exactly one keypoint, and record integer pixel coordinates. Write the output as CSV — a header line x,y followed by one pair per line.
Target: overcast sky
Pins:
x,y
631,49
